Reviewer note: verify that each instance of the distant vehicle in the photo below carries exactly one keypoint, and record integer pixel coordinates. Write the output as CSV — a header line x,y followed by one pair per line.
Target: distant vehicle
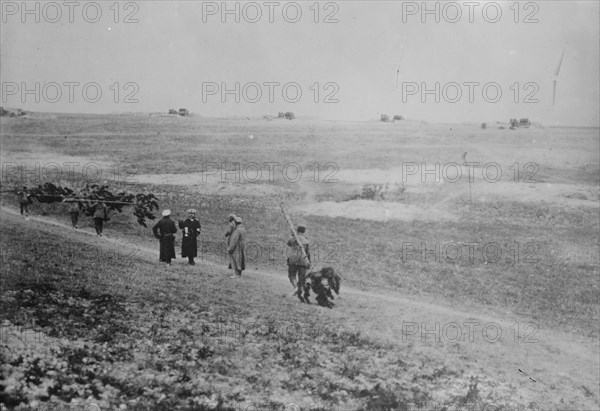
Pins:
x,y
524,122
287,115
184,112
386,119
8,113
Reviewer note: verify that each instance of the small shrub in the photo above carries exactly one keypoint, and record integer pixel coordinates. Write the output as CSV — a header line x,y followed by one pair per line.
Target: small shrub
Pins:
x,y
380,192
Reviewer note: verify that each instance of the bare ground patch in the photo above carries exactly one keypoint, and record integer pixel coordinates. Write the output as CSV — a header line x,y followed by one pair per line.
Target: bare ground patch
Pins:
x,y
375,210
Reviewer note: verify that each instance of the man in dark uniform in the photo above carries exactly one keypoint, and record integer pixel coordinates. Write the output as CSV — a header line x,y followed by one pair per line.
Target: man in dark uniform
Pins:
x,y
100,216
191,230
297,264
74,209
24,201
165,231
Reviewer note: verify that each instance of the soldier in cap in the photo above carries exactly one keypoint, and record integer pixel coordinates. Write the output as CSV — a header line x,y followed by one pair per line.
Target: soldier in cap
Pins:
x,y
230,229
74,209
165,231
24,201
237,248
297,264
191,230
100,216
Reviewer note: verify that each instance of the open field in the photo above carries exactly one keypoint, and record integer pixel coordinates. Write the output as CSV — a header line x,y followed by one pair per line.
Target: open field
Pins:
x,y
528,240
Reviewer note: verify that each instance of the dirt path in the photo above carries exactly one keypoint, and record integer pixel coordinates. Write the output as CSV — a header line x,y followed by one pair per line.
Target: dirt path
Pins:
x,y
557,370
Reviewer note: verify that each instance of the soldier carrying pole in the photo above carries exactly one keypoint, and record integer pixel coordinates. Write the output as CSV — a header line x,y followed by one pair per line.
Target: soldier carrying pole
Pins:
x,y
298,262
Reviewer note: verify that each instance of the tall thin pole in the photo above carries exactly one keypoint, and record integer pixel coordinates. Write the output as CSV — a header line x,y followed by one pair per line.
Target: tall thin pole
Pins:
x,y
464,157
289,220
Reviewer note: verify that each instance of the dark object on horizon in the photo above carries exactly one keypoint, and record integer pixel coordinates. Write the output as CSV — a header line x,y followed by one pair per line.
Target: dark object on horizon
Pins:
x,y
524,122
8,113
484,125
386,119
183,112
288,115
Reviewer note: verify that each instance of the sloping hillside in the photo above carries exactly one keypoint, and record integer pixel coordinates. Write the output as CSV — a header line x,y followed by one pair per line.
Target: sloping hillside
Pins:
x,y
88,319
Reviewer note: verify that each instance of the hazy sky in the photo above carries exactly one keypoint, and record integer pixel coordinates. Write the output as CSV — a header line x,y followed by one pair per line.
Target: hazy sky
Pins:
x,y
375,50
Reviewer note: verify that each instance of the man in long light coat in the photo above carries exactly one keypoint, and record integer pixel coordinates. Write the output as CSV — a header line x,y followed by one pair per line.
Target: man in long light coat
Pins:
x,y
237,248
230,230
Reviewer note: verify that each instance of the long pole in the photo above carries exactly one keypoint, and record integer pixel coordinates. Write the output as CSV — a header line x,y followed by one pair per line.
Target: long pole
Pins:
x,y
469,192
73,199
289,220
464,157
95,200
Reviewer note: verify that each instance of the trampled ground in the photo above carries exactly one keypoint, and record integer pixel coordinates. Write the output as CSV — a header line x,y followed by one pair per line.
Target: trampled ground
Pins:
x,y
532,275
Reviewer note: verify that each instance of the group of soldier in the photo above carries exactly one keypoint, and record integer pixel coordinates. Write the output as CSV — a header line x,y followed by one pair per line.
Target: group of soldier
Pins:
x,y
165,229
100,210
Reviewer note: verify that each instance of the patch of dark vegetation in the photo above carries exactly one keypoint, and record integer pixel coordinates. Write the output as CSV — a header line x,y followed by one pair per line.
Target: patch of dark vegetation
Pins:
x,y
380,192
178,348
69,314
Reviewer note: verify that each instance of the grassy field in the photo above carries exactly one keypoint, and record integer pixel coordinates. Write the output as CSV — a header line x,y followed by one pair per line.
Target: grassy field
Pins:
x,y
540,227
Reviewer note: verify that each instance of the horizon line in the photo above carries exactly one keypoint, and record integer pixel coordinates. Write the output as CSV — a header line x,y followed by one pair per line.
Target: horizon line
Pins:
x,y
374,119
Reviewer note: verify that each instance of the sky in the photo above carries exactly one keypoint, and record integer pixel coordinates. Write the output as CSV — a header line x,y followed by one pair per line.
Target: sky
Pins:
x,y
345,60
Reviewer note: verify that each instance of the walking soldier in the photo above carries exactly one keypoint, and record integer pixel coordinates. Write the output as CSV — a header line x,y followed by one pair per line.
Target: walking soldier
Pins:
x,y
24,201
100,216
74,212
297,263
191,230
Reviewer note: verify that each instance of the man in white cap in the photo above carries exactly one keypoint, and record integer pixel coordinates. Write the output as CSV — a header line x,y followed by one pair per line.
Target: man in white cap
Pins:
x,y
191,230
237,248
165,231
